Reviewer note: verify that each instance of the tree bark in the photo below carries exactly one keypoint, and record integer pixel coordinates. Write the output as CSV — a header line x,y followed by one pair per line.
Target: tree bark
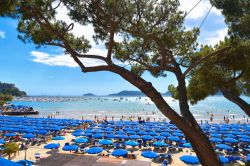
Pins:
x,y
237,100
194,133
187,124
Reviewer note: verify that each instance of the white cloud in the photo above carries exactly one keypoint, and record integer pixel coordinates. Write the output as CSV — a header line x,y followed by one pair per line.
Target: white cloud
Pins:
x,y
61,60
214,37
199,11
2,34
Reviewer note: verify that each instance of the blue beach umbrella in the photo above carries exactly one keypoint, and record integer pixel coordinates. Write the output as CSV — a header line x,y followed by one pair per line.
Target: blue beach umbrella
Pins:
x,y
119,152
178,134
29,136
215,135
81,140
52,146
77,134
105,142
70,148
165,134
223,146
173,138
131,143
111,135
159,137
134,137
223,159
152,133
131,132
215,139
147,137
160,144
2,141
230,140
25,162
58,138
187,145
244,140
94,150
188,159
142,133
229,135
5,162
244,136
42,132
149,154
9,135
98,135
121,136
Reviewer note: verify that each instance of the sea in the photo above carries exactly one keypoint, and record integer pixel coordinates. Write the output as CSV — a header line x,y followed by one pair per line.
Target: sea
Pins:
x,y
118,107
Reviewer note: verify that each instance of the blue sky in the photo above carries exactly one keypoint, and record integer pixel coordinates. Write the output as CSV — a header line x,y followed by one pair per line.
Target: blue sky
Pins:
x,y
47,71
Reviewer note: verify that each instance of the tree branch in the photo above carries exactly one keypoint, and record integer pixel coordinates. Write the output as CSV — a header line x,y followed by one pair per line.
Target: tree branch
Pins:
x,y
192,66
235,78
92,56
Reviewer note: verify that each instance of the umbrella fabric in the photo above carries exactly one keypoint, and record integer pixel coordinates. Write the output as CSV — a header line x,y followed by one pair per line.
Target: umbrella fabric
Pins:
x,y
215,139
77,134
122,136
134,136
98,135
142,133
105,142
111,136
178,134
230,140
229,135
215,135
244,136
147,137
172,138
165,134
94,150
9,135
52,146
149,154
42,132
119,152
223,159
29,135
25,162
81,140
58,138
70,147
188,159
223,146
161,144
244,140
5,162
159,138
2,141
131,143
187,145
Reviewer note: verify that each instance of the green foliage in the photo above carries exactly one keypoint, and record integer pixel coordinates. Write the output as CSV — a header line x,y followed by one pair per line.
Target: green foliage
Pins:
x,y
10,89
237,15
10,148
5,98
174,92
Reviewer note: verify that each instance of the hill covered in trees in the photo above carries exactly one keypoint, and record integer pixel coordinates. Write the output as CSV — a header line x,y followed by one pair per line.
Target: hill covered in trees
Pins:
x,y
11,89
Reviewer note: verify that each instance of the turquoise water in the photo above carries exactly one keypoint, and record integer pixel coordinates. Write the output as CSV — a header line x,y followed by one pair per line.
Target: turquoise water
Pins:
x,y
116,107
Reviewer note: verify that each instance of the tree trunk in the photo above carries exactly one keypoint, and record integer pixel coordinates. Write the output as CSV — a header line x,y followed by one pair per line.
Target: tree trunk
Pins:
x,y
186,123
236,100
193,132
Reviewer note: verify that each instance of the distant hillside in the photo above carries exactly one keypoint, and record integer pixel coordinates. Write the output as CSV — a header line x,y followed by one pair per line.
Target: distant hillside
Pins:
x,y
134,93
127,93
11,89
166,94
89,94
